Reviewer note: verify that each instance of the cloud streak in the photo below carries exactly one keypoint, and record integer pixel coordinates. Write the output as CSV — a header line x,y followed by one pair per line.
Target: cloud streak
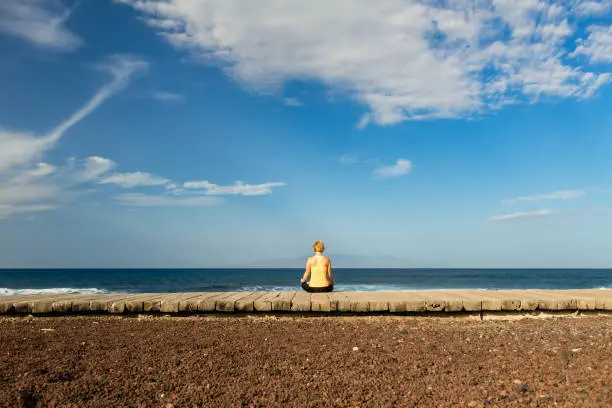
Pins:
x,y
400,168
41,22
26,184
557,195
150,200
239,188
7,210
292,102
136,179
168,96
523,215
348,159
18,148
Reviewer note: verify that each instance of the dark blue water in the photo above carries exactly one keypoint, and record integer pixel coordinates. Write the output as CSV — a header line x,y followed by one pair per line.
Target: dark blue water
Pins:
x,y
203,280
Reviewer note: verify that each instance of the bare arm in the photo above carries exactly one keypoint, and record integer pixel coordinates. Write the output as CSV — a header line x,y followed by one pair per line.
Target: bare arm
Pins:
x,y
329,272
307,272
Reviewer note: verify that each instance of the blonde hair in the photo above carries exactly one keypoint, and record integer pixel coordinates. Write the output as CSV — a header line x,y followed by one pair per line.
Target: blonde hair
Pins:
x,y
318,246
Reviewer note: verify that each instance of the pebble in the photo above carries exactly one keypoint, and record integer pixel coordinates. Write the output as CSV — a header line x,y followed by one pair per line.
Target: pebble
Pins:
x,y
355,348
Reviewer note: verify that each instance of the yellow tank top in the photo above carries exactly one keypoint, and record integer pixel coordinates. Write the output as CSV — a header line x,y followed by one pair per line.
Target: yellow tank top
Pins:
x,y
318,275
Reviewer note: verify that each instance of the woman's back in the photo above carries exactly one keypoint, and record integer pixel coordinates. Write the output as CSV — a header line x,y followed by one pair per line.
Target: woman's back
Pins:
x,y
318,271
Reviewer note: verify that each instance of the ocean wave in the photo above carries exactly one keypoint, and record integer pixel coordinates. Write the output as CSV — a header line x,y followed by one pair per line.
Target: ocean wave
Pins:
x,y
47,291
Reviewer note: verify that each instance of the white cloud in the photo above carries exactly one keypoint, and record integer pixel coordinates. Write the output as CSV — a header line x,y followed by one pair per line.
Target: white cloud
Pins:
x,y
239,188
148,200
46,186
594,8
557,195
400,168
168,97
7,210
598,46
42,22
96,166
416,60
18,148
292,102
136,179
26,184
18,191
29,185
520,215
348,159
41,170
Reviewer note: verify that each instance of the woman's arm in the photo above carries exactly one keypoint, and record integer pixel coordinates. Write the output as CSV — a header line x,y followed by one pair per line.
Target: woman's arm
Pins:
x,y
329,272
307,272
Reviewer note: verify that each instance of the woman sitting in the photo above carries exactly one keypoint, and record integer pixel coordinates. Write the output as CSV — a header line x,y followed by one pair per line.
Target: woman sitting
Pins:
x,y
320,269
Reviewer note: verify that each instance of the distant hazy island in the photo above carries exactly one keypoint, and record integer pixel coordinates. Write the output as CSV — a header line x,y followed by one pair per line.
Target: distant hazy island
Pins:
x,y
348,261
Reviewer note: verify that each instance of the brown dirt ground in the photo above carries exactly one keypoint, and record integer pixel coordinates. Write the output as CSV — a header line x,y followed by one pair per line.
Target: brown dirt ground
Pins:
x,y
304,362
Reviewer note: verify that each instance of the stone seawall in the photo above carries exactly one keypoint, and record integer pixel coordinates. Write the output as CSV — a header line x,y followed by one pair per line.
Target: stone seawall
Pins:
x,y
413,302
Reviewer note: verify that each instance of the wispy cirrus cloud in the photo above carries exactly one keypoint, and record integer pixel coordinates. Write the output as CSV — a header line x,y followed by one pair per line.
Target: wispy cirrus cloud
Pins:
x,y
28,184
22,148
136,179
41,22
522,215
400,168
292,102
193,194
239,188
7,210
168,96
164,200
441,59
348,159
557,195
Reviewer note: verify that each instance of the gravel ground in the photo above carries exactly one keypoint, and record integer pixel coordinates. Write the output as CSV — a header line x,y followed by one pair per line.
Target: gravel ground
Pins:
x,y
304,362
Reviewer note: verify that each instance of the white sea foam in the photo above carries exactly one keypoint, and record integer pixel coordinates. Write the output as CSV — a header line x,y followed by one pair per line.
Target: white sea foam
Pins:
x,y
268,288
372,288
47,291
337,288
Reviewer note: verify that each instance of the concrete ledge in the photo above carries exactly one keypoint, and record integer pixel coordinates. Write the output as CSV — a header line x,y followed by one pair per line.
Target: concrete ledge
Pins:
x,y
408,302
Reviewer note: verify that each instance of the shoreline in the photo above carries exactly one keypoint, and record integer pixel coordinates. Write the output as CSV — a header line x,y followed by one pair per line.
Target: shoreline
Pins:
x,y
97,291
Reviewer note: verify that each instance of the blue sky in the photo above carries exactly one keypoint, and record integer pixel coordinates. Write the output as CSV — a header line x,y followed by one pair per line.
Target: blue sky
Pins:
x,y
144,133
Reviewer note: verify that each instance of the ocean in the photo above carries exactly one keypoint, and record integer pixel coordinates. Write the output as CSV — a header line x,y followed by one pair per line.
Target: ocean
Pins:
x,y
29,281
